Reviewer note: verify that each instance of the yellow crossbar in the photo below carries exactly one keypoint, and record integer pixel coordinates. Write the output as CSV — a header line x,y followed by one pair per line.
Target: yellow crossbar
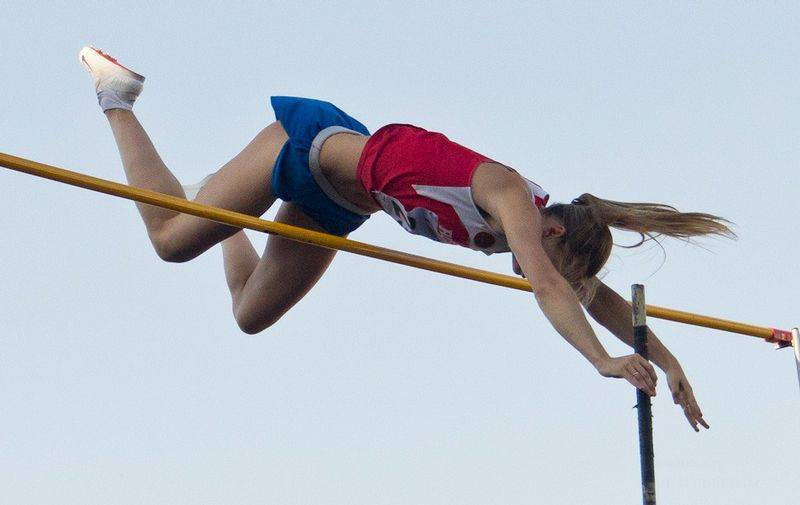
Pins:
x,y
334,242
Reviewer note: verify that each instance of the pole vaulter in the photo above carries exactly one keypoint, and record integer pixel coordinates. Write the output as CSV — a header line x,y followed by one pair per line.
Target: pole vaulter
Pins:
x,y
331,174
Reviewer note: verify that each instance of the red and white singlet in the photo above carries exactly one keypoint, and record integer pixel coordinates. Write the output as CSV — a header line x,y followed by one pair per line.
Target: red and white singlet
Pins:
x,y
422,179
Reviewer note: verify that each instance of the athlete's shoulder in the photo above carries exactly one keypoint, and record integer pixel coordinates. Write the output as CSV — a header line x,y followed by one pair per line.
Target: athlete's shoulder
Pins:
x,y
491,177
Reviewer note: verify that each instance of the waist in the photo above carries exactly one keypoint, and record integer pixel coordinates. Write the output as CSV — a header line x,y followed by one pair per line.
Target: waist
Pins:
x,y
339,159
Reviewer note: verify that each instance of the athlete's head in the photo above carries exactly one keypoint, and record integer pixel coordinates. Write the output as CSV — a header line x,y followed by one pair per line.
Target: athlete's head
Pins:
x,y
578,239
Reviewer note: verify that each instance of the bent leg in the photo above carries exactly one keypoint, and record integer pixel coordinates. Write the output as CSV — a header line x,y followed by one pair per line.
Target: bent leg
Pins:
x,y
241,185
263,289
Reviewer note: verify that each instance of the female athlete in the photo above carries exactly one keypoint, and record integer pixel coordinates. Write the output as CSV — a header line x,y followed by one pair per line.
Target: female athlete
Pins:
x,y
331,175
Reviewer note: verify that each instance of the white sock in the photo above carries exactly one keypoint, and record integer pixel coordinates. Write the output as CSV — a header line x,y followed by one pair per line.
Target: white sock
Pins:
x,y
115,100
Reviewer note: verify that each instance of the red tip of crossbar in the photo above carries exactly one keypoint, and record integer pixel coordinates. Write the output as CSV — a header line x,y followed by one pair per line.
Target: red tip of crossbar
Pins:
x,y
782,338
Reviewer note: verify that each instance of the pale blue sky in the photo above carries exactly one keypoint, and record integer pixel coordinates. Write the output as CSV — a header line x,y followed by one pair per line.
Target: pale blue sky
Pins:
x,y
125,380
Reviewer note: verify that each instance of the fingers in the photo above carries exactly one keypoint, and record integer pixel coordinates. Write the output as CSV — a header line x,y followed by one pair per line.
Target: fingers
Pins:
x,y
641,374
682,395
691,406
647,371
640,379
633,368
695,417
650,369
691,419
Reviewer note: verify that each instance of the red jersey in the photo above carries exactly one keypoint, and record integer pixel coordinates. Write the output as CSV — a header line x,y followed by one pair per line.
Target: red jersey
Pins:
x,y
422,179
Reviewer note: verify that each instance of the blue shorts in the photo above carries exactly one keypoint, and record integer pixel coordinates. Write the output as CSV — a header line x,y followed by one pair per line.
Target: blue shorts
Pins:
x,y
297,177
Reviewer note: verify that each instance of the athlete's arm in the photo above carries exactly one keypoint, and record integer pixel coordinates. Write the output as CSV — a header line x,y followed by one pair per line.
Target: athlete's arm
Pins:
x,y
504,195
613,312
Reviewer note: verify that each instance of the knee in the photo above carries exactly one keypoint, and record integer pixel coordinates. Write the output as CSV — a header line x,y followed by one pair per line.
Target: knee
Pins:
x,y
171,256
252,325
169,251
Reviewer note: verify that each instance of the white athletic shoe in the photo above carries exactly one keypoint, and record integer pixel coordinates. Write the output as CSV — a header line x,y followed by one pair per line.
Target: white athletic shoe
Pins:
x,y
117,87
192,190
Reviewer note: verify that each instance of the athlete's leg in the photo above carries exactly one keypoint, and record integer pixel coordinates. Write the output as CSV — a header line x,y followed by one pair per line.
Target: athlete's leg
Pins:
x,y
263,289
242,185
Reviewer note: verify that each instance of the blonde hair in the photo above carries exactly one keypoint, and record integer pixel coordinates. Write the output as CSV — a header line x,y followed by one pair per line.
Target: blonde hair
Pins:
x,y
586,245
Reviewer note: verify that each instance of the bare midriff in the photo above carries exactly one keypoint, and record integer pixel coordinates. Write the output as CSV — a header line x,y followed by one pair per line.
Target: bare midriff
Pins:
x,y
338,160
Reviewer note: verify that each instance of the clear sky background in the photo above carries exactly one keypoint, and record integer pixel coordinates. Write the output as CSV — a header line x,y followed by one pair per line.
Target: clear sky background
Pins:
x,y
125,380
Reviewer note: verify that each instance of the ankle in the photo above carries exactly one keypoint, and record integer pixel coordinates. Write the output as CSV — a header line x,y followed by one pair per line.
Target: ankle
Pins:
x,y
117,113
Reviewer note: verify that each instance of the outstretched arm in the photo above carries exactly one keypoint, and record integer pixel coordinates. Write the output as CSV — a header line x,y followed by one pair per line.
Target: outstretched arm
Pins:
x,y
506,198
613,312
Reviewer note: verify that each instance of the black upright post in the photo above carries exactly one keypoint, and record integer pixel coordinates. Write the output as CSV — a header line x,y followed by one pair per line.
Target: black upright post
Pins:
x,y
643,405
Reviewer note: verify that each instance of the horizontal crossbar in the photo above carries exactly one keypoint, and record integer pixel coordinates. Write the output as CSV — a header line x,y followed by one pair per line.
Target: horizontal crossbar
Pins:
x,y
334,242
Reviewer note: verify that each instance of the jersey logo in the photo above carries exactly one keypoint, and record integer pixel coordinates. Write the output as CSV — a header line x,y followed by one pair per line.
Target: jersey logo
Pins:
x,y
419,221
482,237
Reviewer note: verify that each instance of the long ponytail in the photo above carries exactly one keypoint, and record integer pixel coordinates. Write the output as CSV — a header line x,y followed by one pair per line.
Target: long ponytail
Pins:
x,y
651,220
587,243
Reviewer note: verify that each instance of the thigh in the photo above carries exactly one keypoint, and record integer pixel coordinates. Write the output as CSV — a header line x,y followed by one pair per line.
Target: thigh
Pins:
x,y
241,185
286,272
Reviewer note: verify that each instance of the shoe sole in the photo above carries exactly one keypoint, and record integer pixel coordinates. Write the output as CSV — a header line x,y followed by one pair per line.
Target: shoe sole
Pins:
x,y
89,56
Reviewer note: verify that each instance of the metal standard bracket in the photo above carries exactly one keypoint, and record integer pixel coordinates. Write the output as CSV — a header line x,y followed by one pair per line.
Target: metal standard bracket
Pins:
x,y
784,338
781,338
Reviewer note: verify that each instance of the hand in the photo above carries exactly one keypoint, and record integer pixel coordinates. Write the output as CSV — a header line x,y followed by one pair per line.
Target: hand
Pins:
x,y
633,368
682,395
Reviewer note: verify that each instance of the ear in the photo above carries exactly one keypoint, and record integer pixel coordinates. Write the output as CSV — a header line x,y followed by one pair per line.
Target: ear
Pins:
x,y
554,230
